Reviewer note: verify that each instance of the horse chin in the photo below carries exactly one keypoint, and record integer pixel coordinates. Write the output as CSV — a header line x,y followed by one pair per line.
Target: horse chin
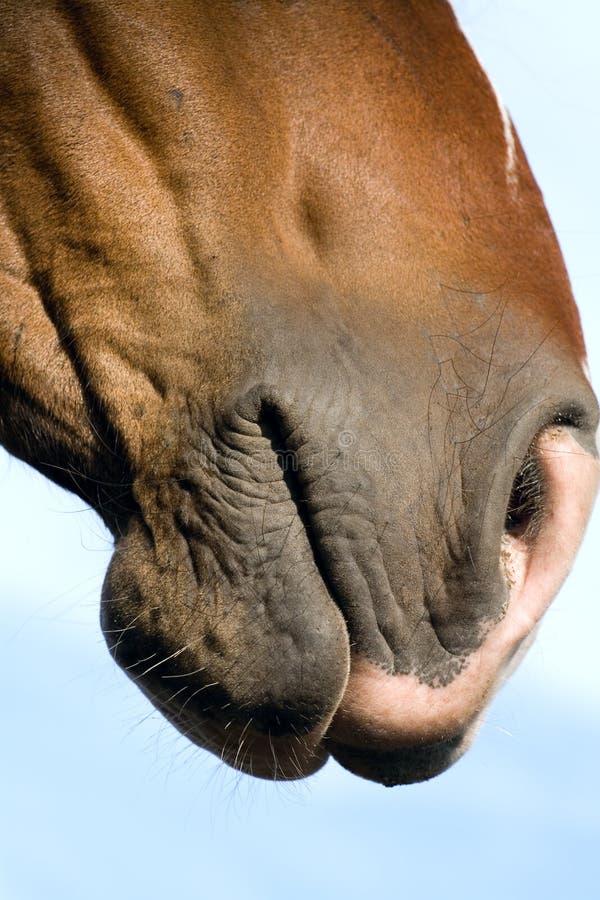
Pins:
x,y
294,757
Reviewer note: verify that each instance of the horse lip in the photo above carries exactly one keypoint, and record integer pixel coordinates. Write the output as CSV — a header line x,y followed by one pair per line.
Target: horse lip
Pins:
x,y
408,764
267,756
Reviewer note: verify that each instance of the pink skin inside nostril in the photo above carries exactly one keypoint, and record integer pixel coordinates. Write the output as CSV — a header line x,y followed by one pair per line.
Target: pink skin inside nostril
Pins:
x,y
391,711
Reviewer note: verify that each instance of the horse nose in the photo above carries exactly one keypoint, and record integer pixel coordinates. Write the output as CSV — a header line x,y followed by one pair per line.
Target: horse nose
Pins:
x,y
549,507
414,730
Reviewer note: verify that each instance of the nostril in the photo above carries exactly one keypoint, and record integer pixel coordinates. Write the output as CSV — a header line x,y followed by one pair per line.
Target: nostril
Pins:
x,y
550,502
525,510
531,489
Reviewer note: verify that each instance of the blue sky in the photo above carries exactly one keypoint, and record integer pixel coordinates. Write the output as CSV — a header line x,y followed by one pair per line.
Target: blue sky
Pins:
x,y
99,798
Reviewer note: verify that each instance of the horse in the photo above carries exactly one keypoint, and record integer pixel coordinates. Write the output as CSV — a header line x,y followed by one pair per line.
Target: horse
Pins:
x,y
282,302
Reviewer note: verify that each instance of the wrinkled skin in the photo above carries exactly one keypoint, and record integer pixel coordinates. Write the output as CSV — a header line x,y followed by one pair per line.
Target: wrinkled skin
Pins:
x,y
280,299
